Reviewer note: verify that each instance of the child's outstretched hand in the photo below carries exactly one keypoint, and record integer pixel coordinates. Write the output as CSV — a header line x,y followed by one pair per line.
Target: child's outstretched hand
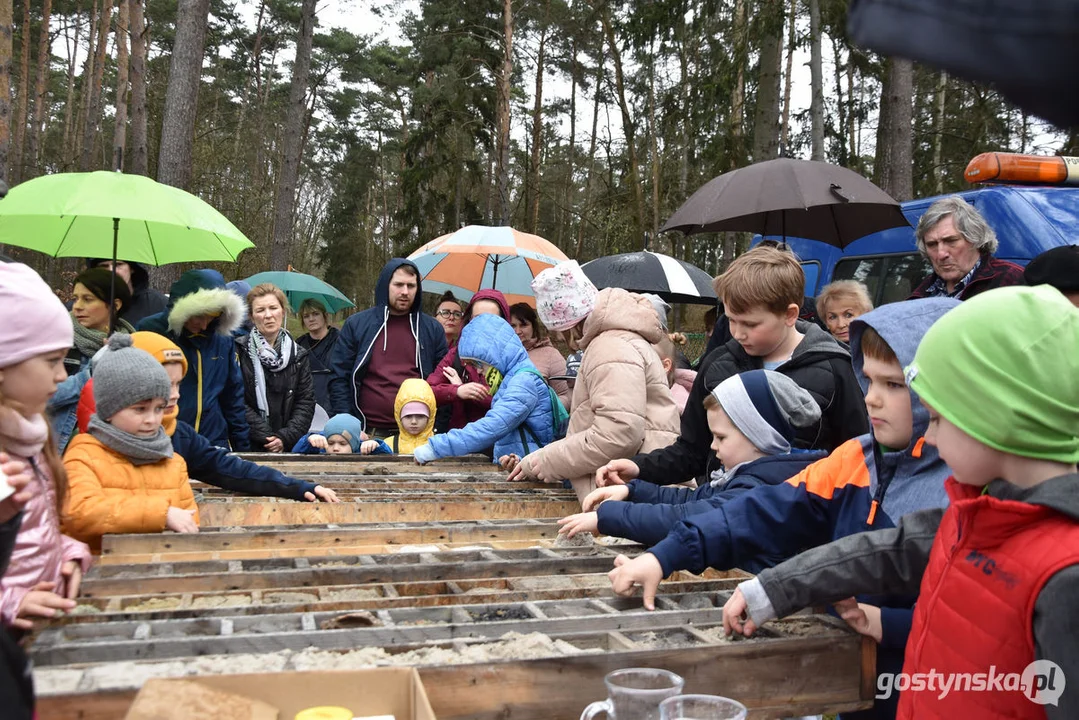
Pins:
x,y
610,492
643,571
321,493
579,523
18,476
317,441
508,462
863,618
368,446
617,472
72,573
735,619
181,521
41,602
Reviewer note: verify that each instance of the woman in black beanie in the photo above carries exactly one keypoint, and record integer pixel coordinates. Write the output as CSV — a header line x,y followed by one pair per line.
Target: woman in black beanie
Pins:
x,y
92,317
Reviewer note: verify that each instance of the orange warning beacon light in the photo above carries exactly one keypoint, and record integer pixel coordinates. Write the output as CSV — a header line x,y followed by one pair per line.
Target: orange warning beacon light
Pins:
x,y
1029,169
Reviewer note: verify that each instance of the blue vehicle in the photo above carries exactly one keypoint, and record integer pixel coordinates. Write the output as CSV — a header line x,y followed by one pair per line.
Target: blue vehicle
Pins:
x,y
1028,221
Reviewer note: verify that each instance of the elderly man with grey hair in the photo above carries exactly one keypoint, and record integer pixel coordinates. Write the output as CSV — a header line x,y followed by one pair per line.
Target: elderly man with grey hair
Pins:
x,y
959,243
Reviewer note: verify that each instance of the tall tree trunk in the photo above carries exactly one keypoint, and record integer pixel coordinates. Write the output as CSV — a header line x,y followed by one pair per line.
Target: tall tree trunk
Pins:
x,y
253,76
766,117
628,127
844,158
291,148
587,199
738,93
6,21
537,130
119,136
894,136
182,94
788,77
138,152
816,75
44,56
93,106
502,143
938,131
853,126
22,99
72,44
653,143
571,149
84,91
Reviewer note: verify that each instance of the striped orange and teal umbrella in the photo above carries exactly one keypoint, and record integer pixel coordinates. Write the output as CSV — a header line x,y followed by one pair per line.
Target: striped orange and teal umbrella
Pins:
x,y
480,257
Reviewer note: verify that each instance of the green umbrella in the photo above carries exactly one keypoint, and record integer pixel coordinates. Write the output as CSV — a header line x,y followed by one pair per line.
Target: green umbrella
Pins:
x,y
299,287
109,214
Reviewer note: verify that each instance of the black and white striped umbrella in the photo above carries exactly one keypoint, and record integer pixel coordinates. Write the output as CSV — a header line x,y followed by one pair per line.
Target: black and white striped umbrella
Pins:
x,y
672,279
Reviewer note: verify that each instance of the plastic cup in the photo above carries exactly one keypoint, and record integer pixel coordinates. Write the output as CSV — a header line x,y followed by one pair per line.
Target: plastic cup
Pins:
x,y
701,707
635,694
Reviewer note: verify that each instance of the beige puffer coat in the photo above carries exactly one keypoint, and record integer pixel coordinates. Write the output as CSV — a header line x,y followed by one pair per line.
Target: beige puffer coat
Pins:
x,y
621,404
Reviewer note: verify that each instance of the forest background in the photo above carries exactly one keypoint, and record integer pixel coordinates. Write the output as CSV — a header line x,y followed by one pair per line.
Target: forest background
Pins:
x,y
337,135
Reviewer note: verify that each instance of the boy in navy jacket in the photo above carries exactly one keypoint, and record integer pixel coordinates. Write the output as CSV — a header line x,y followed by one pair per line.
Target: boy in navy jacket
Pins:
x,y
752,417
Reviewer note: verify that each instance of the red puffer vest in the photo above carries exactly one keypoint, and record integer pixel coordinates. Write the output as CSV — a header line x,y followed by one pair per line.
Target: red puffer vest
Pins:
x,y
974,615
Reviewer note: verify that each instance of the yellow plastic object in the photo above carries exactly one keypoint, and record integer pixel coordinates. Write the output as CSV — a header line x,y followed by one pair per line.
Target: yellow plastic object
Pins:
x,y
325,713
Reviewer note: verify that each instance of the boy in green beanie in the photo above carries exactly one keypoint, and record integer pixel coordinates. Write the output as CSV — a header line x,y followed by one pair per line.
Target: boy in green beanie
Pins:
x,y
995,632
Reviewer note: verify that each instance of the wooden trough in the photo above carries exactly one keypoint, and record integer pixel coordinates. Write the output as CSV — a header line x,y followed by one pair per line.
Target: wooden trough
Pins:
x,y
496,603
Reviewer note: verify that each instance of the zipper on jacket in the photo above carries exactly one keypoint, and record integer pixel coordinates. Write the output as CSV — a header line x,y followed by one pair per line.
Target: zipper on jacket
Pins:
x,y
198,411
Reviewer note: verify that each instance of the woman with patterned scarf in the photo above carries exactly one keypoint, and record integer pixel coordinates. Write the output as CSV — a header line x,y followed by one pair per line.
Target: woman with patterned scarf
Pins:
x,y
91,316
278,389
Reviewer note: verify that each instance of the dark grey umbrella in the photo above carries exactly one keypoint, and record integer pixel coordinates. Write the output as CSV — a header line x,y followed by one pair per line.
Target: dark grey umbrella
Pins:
x,y
790,198
672,279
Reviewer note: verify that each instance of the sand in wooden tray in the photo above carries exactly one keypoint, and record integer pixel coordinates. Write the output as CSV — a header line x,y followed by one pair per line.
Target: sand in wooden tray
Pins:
x,y
353,594
216,601
163,603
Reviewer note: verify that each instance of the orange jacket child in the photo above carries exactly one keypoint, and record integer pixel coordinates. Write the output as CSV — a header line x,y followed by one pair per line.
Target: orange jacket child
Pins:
x,y
123,476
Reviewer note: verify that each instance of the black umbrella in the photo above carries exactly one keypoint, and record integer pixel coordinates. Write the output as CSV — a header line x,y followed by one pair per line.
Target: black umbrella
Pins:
x,y
790,198
672,279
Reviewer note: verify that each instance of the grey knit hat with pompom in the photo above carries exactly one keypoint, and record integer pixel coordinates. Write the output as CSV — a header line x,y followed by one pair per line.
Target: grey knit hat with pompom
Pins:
x,y
125,375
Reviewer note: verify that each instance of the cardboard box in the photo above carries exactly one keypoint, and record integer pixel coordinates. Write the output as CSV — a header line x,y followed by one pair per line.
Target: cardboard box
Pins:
x,y
279,696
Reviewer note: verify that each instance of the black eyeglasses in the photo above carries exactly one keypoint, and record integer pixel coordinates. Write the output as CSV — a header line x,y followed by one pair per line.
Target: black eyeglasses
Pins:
x,y
455,314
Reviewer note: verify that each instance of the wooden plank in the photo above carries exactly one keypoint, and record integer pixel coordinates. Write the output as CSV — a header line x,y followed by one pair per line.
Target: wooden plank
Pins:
x,y
773,678
314,536
269,513
356,575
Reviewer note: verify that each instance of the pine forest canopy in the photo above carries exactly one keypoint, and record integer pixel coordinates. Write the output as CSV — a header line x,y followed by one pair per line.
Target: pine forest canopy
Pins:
x,y
587,123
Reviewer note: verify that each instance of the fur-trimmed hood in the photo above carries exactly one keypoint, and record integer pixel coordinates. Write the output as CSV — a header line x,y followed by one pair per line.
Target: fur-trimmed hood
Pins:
x,y
203,292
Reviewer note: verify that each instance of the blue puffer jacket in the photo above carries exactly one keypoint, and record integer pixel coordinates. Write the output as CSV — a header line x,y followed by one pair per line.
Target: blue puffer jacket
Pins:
x,y
352,351
212,392
218,467
651,511
519,420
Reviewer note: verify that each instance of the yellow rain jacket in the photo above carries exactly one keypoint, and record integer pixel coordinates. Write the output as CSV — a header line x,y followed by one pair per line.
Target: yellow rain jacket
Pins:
x,y
412,390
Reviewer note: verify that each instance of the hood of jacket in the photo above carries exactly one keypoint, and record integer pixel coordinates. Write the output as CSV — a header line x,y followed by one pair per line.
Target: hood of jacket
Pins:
x,y
415,390
816,343
1060,493
495,296
382,288
902,325
618,309
140,276
537,343
203,292
491,340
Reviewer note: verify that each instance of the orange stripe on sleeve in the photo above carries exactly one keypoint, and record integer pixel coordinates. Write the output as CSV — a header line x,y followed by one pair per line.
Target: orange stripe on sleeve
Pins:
x,y
845,466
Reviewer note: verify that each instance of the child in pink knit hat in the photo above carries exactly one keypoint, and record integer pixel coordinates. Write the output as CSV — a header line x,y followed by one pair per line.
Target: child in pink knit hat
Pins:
x,y
46,566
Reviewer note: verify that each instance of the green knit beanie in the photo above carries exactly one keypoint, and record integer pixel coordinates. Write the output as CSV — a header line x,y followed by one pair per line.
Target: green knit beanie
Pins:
x,y
1001,367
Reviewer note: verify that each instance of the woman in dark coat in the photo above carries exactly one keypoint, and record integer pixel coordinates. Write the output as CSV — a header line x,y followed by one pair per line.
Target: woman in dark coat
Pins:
x,y
278,390
318,342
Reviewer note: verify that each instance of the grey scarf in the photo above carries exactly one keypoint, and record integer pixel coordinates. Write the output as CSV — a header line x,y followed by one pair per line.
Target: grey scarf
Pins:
x,y
140,451
89,341
721,477
275,359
